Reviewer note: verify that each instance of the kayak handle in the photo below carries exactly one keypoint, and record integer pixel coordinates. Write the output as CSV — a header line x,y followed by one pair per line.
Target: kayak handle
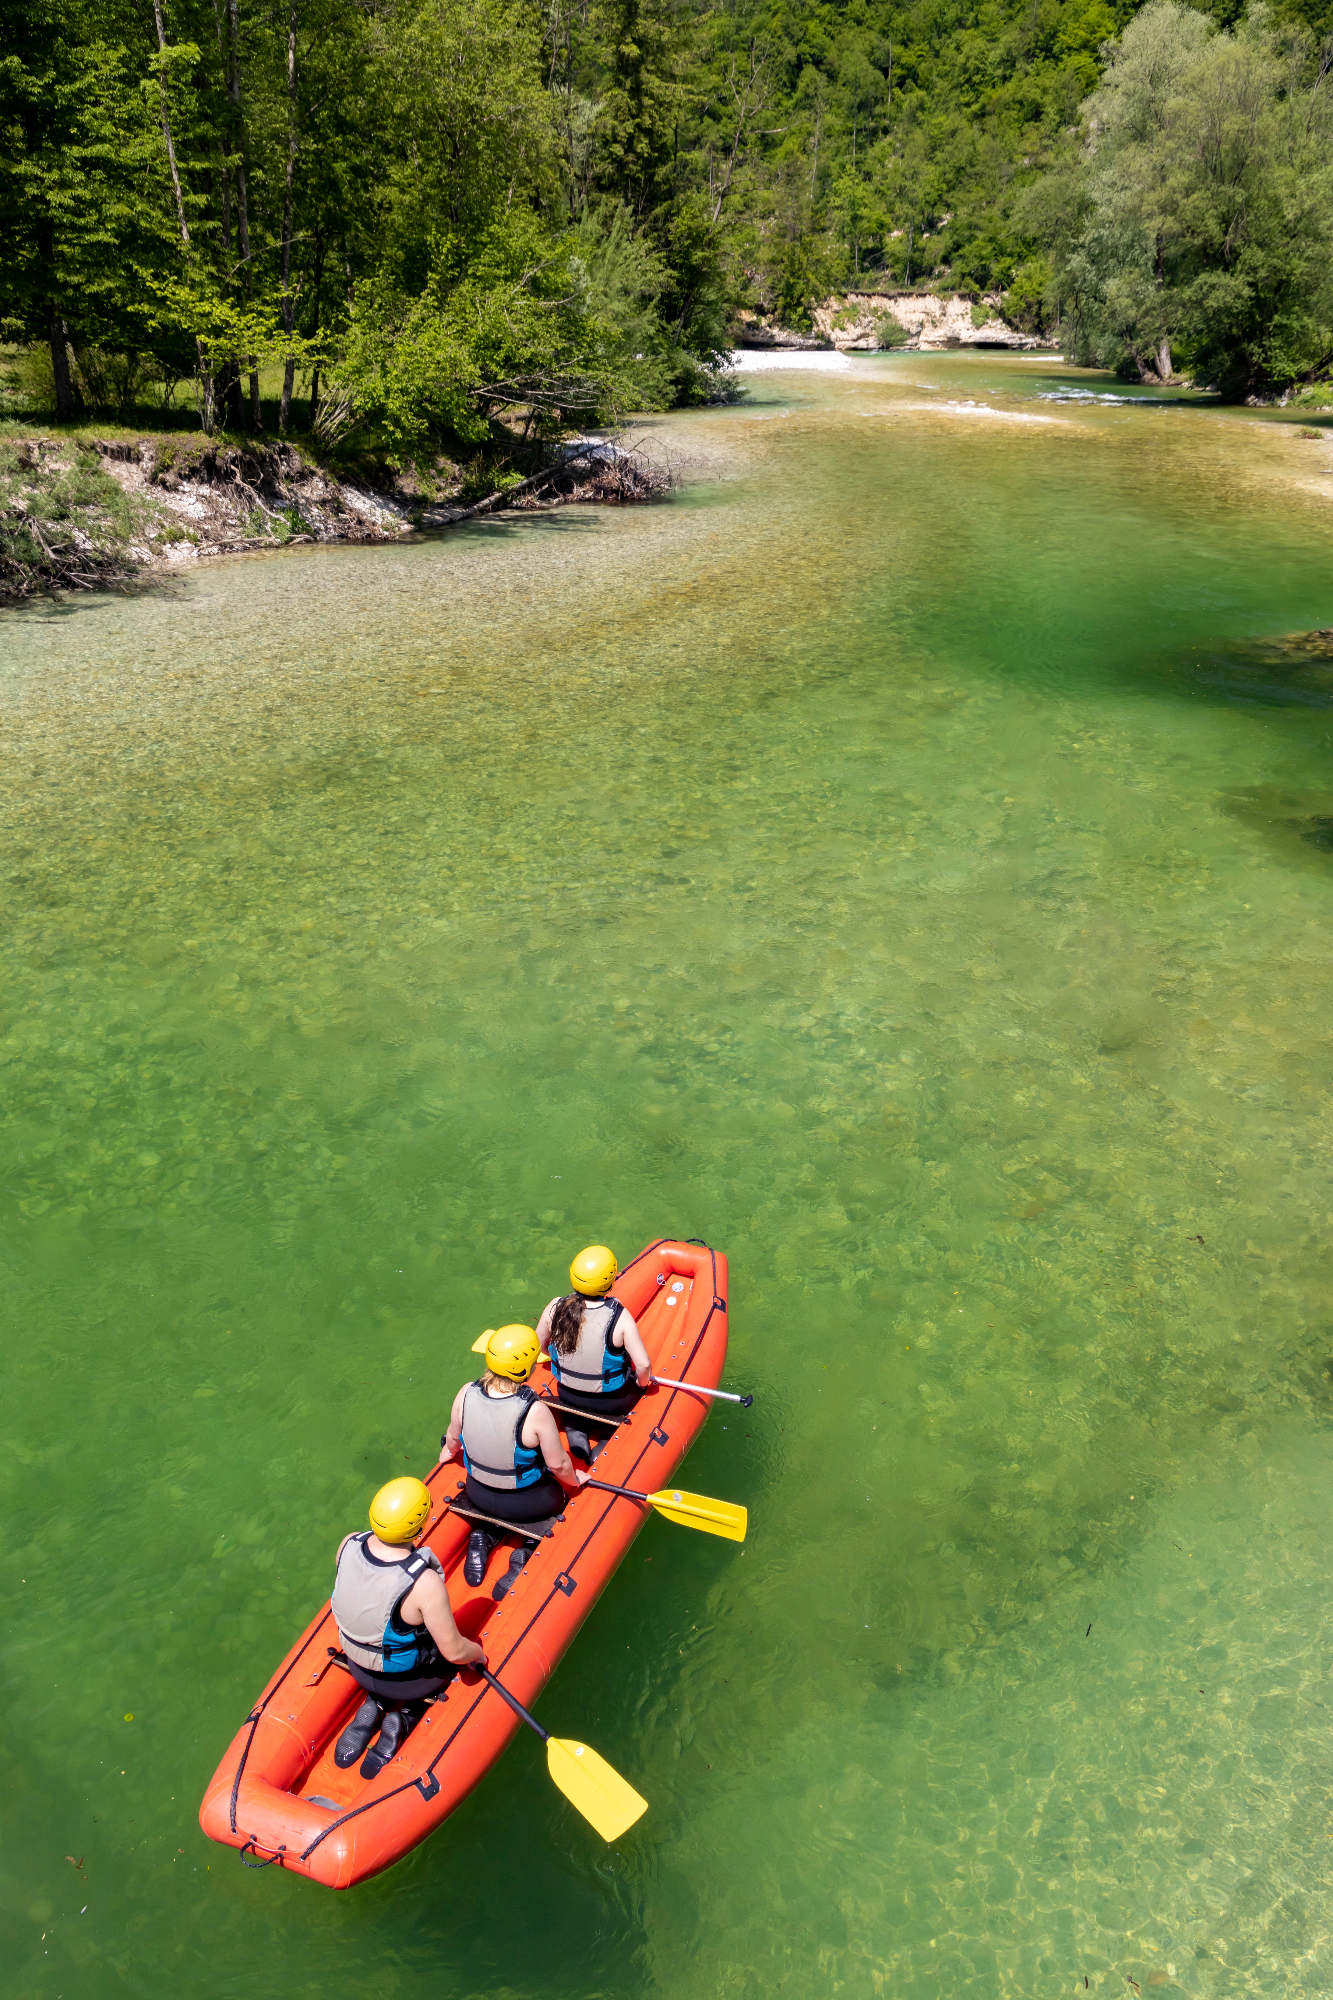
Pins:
x,y
250,1844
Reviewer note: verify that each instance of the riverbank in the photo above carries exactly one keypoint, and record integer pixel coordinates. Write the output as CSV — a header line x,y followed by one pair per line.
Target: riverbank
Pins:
x,y
89,511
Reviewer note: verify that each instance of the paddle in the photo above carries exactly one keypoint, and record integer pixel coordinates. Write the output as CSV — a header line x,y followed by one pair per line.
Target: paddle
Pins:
x,y
528,1530
587,1780
550,1403
688,1510
697,1389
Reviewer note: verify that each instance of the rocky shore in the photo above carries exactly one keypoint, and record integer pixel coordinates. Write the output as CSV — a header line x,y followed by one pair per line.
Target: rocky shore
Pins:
x,y
91,512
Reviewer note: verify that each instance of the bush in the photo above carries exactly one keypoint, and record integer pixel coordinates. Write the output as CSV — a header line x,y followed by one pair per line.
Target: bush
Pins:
x,y
890,332
105,381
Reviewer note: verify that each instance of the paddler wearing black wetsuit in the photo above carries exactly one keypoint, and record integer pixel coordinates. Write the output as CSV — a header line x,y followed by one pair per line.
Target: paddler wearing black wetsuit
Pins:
x,y
597,1356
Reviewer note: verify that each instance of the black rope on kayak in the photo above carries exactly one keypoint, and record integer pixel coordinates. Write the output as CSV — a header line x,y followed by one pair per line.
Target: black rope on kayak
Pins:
x,y
253,1720
647,1253
256,1716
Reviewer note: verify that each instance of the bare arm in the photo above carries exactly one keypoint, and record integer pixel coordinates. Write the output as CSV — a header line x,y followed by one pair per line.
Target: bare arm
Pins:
x,y
540,1429
430,1598
638,1354
544,1325
452,1447
627,1335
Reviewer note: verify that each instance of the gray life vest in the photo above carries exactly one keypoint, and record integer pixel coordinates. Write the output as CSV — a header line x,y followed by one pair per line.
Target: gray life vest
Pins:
x,y
367,1593
490,1435
596,1366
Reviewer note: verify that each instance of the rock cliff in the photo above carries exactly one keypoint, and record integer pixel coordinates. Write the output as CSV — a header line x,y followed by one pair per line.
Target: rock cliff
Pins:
x,y
852,323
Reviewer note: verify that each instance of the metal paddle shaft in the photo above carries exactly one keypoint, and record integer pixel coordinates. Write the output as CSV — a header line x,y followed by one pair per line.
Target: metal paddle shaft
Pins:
x,y
587,1780
696,1389
513,1700
688,1510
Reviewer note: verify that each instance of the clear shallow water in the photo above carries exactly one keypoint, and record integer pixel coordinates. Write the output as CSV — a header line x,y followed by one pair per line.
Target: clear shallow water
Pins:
x,y
898,862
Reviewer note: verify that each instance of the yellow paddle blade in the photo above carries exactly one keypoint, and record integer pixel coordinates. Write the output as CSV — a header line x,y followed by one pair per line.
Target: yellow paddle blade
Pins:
x,y
692,1510
589,1783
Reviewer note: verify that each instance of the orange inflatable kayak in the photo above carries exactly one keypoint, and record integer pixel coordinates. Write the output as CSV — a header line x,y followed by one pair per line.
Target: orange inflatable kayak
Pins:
x,y
278,1795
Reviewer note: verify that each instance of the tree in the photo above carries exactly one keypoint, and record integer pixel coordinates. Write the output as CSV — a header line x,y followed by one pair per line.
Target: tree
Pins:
x,y
79,161
1205,207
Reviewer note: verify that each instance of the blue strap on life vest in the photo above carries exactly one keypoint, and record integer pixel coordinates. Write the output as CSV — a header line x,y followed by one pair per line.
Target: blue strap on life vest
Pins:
x,y
405,1646
616,1365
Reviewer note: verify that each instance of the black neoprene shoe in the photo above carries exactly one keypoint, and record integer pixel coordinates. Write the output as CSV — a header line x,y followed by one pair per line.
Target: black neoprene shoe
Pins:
x,y
394,1732
511,1575
580,1445
353,1741
479,1546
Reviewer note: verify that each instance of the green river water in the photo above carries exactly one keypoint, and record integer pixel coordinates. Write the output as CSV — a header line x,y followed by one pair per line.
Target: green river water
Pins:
x,y
903,860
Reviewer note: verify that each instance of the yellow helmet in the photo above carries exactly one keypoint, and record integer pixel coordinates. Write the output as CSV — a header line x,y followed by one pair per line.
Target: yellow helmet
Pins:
x,y
513,1351
400,1510
594,1271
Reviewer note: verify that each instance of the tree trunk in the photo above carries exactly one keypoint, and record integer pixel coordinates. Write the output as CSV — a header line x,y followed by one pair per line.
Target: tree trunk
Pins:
x,y
166,126
288,310
242,195
59,338
314,371
228,381
229,391
1155,368
1163,361
203,360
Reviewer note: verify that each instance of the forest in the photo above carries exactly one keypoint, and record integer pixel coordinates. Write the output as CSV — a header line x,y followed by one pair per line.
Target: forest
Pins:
x,y
414,219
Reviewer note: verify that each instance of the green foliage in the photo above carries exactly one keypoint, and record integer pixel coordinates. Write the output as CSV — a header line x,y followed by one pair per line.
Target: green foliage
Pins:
x,y
458,215
509,325
1197,229
639,112
890,332
456,86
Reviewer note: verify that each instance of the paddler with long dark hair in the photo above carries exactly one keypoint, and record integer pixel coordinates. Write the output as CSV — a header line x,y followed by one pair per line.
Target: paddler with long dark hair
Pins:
x,y
599,1361
517,1467
397,1626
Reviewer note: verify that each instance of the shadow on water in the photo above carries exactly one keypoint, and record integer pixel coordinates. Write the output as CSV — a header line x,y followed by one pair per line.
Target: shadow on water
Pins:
x,y
1291,671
